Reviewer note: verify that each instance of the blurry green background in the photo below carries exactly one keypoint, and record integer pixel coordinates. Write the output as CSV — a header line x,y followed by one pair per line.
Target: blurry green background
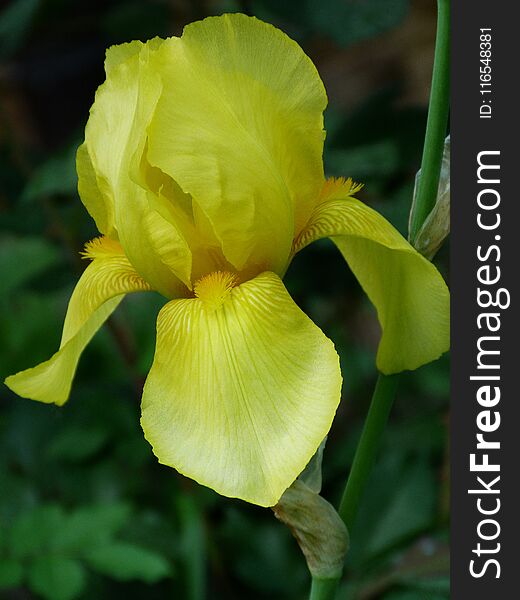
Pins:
x,y
85,510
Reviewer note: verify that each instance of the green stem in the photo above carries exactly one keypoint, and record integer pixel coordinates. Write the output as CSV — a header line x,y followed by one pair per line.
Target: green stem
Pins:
x,y
384,392
437,122
366,452
377,417
323,589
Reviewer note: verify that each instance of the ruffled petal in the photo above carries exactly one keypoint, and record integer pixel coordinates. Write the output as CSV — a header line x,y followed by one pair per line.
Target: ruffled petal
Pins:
x,y
100,205
110,131
239,126
410,295
243,388
108,168
100,289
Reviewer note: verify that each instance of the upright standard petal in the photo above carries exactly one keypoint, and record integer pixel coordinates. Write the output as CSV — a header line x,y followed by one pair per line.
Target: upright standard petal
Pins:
x,y
410,295
239,126
98,292
99,158
108,167
99,204
243,387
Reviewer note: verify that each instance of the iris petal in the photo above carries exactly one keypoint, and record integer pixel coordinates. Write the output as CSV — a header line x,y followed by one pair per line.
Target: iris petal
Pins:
x,y
98,167
99,205
239,126
410,295
98,292
108,168
241,392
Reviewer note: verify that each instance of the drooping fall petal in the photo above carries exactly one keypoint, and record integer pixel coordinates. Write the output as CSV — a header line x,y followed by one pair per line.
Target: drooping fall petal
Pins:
x,y
98,292
243,388
239,126
410,296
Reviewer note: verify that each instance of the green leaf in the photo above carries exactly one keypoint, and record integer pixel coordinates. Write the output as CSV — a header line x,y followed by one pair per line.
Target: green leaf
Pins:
x,y
56,176
32,531
23,258
77,443
399,503
193,545
124,561
57,578
30,328
90,527
11,573
411,508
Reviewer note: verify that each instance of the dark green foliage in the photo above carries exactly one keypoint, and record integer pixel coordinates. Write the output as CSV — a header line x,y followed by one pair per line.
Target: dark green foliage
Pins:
x,y
344,21
51,550
15,22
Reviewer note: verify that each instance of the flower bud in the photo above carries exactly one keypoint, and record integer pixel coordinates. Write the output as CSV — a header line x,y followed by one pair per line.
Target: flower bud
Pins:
x,y
436,227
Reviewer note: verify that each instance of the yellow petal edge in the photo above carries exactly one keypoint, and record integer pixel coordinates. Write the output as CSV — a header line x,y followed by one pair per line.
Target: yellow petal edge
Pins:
x,y
241,393
410,295
99,290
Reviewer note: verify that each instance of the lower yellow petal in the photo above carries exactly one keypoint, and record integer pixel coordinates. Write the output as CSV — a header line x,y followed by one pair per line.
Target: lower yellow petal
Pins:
x,y
410,295
98,292
243,387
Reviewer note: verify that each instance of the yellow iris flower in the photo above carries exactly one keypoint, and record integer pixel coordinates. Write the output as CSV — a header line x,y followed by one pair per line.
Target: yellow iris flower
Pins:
x,y
202,168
